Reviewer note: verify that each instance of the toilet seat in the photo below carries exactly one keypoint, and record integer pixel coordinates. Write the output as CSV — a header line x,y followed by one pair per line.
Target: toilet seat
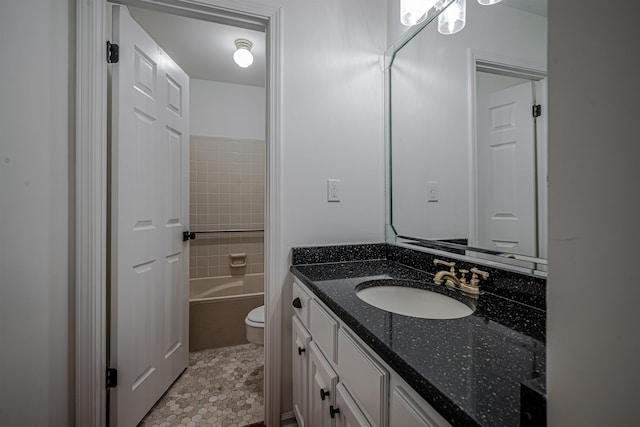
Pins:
x,y
255,318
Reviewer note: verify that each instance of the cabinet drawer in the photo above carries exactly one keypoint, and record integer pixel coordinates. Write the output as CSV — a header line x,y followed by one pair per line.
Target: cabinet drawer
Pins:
x,y
364,377
323,329
300,303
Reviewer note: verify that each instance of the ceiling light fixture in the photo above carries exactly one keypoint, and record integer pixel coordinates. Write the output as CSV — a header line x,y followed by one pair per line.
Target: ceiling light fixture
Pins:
x,y
413,12
452,19
243,56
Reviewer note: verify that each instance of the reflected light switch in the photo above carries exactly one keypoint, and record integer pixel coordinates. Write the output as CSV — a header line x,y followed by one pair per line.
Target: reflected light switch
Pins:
x,y
432,191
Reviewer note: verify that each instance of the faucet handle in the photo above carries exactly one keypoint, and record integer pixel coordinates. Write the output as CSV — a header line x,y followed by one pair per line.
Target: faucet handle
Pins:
x,y
474,277
463,276
481,273
451,265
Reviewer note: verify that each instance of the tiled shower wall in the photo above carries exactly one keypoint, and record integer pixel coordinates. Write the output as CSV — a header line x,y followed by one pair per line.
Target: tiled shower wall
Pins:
x,y
226,192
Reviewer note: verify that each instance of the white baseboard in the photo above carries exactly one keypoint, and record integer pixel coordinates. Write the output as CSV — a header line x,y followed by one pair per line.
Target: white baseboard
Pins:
x,y
288,419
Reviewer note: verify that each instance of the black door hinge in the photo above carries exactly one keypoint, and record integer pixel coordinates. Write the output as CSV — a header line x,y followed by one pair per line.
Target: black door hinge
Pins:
x,y
113,53
112,378
537,110
188,235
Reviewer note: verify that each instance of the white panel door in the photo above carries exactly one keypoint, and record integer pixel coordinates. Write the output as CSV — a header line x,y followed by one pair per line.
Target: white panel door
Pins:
x,y
149,205
507,174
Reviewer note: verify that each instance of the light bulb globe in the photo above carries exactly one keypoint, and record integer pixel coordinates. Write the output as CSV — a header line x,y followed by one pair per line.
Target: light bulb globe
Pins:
x,y
243,57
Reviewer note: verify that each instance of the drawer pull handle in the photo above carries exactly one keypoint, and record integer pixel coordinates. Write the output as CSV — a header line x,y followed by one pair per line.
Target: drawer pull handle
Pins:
x,y
323,394
333,411
300,351
297,303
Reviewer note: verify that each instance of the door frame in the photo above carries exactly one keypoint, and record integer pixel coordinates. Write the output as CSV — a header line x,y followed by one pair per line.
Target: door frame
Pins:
x,y
91,193
499,64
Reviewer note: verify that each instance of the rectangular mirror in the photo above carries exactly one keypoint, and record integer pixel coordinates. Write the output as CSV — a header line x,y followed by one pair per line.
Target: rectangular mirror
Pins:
x,y
467,135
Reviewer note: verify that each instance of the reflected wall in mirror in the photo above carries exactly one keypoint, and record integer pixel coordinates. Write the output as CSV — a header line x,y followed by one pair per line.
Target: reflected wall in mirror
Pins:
x,y
467,156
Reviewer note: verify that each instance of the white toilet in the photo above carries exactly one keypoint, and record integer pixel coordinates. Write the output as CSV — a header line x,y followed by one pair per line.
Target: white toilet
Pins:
x,y
255,325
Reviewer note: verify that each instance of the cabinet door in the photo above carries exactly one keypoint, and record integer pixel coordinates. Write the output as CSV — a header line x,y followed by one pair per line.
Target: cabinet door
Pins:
x,y
346,412
322,388
367,380
300,369
406,412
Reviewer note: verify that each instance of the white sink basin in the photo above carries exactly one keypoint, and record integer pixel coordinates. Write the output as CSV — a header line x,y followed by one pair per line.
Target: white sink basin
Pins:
x,y
413,302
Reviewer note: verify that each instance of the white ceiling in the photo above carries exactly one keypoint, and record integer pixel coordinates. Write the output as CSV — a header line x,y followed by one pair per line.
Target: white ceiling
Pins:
x,y
204,50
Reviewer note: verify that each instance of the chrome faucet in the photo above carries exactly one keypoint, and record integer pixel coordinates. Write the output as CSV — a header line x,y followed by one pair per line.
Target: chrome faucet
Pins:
x,y
451,280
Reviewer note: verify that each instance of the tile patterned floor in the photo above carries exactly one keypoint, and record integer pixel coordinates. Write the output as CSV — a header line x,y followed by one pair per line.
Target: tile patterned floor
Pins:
x,y
221,387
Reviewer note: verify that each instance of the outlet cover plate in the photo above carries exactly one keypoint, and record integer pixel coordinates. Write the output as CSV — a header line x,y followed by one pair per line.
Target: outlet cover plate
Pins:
x,y
333,190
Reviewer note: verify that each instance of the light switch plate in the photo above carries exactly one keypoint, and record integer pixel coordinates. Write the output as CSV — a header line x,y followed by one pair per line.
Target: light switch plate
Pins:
x,y
432,191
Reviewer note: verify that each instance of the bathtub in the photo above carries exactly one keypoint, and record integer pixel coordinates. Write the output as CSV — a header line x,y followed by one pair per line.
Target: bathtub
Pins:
x,y
218,306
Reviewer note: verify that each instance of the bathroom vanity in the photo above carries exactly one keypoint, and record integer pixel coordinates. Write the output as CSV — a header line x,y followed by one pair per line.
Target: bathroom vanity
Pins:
x,y
355,364
465,184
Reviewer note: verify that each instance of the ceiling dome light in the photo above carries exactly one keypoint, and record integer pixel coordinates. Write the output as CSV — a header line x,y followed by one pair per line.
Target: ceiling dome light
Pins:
x,y
452,19
243,56
488,2
413,12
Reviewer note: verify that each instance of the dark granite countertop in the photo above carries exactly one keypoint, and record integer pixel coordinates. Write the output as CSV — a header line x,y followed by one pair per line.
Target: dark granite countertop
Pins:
x,y
469,369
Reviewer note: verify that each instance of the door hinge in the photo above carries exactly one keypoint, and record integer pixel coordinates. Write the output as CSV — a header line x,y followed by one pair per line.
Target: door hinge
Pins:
x,y
113,53
188,235
537,110
112,378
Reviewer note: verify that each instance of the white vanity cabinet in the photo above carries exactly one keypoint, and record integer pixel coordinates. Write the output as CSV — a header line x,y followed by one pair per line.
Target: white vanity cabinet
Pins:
x,y
338,381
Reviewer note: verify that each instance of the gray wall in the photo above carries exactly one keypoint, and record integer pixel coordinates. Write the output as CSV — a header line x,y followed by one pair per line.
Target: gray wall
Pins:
x,y
227,110
36,149
594,158
332,128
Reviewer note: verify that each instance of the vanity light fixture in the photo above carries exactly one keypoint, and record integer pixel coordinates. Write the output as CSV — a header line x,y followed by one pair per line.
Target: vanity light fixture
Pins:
x,y
243,56
488,2
452,19
413,12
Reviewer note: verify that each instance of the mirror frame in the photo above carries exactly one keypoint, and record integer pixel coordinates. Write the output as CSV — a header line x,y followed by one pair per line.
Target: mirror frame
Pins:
x,y
475,58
